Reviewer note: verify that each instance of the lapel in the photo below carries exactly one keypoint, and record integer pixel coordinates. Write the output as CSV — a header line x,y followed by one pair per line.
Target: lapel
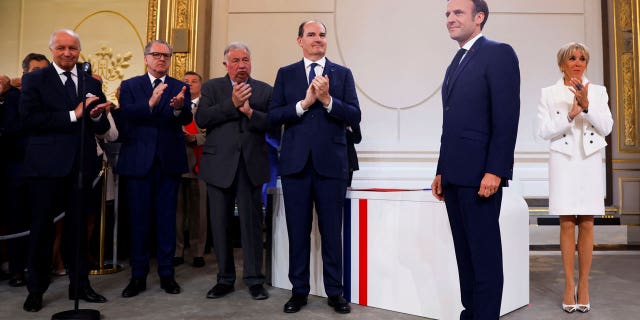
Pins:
x,y
301,75
51,76
465,61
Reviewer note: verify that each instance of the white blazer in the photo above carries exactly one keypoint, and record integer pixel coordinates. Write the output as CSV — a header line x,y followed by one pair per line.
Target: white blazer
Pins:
x,y
554,107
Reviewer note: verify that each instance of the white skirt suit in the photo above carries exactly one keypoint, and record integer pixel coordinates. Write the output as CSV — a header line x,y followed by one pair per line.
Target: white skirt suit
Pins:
x,y
576,185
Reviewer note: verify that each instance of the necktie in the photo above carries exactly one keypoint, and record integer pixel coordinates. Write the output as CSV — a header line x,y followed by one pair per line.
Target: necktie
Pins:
x,y
455,63
312,72
156,82
70,86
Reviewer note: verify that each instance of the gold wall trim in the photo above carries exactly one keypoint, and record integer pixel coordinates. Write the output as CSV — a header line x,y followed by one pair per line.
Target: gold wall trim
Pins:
x,y
621,182
152,20
626,38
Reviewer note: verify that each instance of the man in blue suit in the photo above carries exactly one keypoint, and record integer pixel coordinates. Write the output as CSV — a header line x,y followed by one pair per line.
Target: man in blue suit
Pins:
x,y
153,109
52,115
315,111
481,108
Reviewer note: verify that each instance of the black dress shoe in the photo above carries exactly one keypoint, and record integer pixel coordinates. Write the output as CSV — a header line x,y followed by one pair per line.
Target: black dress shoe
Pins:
x,y
177,261
169,285
87,294
135,286
33,303
296,302
258,292
219,290
17,280
339,304
198,262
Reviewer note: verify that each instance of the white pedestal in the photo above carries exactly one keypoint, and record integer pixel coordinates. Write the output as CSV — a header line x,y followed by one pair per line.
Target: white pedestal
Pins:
x,y
399,253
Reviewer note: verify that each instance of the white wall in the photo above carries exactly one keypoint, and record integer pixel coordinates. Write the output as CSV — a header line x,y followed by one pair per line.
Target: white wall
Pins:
x,y
398,52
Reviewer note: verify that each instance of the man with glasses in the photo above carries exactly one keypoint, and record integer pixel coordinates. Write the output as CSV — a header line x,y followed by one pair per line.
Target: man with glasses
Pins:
x,y
153,109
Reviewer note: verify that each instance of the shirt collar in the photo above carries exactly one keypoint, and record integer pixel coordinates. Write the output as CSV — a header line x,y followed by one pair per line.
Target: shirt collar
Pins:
x,y
60,71
151,78
467,46
320,62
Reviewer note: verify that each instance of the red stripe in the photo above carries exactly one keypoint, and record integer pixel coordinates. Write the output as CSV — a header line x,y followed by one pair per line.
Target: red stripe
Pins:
x,y
363,252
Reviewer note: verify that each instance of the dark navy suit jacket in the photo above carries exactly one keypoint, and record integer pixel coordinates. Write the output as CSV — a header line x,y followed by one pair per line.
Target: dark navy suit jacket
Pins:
x,y
317,134
53,143
149,135
481,109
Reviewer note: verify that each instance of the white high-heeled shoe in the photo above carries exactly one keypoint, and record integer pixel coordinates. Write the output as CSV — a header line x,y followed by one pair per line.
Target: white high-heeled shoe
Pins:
x,y
571,308
584,308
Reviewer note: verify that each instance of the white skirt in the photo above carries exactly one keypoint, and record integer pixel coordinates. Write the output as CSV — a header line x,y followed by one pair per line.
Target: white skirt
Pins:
x,y
576,184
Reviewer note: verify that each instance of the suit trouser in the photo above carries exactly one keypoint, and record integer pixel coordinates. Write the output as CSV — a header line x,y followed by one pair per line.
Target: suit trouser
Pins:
x,y
49,197
152,198
222,203
301,191
17,209
476,237
192,211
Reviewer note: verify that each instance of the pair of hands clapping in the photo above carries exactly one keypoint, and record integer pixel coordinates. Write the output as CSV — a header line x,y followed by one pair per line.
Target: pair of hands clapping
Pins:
x,y
580,98
96,111
176,102
240,97
318,90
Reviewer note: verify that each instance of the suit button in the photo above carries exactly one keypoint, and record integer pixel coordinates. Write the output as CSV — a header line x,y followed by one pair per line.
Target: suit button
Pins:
x,y
592,133
446,108
591,141
564,135
566,142
557,112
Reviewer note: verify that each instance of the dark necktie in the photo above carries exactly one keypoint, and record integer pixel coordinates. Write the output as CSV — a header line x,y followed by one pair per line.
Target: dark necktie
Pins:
x,y
455,63
70,87
156,82
312,72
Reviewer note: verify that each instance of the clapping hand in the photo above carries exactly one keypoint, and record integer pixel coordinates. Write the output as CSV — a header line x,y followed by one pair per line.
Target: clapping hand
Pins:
x,y
177,102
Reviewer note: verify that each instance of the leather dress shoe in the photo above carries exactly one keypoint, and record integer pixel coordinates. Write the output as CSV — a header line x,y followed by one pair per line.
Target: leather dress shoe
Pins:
x,y
258,292
33,302
198,262
135,286
169,285
339,304
87,294
17,280
296,302
219,290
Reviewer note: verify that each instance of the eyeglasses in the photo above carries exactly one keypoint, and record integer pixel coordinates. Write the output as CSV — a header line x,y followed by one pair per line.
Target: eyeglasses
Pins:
x,y
157,55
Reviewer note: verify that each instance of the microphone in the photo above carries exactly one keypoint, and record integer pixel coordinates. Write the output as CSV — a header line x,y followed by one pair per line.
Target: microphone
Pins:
x,y
86,67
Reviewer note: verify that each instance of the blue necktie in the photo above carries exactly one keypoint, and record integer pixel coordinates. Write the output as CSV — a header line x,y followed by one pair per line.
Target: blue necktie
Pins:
x,y
455,63
312,72
70,87
156,82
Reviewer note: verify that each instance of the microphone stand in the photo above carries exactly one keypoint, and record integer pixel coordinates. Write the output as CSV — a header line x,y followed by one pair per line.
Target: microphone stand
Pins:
x,y
76,313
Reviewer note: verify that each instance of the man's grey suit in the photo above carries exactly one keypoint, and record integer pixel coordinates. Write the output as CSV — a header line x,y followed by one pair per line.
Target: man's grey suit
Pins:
x,y
235,164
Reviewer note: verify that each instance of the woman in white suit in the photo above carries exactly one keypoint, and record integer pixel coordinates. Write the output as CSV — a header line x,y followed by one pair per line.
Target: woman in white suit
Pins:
x,y
574,115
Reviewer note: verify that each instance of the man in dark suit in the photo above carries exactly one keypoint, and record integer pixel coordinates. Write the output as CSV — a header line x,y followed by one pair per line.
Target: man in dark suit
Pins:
x,y
153,109
235,164
481,108
51,111
315,111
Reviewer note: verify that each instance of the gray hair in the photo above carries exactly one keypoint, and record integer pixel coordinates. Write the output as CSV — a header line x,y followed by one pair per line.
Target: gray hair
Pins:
x,y
67,31
235,45
147,48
